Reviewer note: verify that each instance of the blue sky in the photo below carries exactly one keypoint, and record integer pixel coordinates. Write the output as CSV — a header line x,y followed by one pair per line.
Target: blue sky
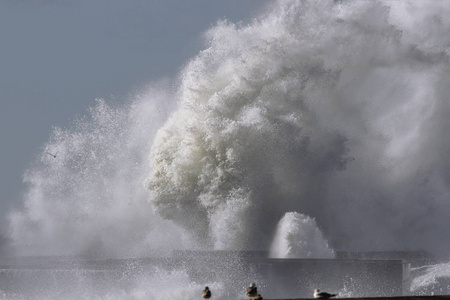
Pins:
x,y
56,57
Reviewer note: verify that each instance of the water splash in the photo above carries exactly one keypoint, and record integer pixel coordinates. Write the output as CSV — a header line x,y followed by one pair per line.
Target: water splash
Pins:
x,y
298,236
144,283
89,199
431,279
336,110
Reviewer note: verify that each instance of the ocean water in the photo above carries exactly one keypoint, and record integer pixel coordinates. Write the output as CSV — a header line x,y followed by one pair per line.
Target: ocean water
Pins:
x,y
320,126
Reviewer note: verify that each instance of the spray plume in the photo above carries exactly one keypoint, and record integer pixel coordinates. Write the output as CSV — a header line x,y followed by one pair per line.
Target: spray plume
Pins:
x,y
337,110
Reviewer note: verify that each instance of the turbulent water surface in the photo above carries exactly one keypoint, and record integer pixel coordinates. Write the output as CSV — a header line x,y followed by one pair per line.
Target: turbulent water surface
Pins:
x,y
325,119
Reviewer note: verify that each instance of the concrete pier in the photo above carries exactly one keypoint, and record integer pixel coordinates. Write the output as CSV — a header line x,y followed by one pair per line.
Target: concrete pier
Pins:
x,y
296,278
440,297
234,270
290,278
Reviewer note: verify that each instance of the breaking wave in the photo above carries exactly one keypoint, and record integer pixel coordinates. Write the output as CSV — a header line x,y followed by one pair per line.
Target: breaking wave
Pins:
x,y
337,110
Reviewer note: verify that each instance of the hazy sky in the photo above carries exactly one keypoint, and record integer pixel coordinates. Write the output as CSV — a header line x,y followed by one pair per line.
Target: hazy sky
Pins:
x,y
56,57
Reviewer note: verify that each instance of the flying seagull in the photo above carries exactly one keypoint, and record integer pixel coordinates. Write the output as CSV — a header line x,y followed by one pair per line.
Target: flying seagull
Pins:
x,y
206,294
322,295
54,155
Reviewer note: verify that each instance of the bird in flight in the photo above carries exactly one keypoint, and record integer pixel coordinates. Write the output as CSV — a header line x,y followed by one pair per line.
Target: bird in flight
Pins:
x,y
54,155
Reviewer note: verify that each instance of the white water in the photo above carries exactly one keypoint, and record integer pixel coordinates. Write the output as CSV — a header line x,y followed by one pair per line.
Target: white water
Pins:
x,y
431,279
297,236
137,284
326,109
90,199
337,110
